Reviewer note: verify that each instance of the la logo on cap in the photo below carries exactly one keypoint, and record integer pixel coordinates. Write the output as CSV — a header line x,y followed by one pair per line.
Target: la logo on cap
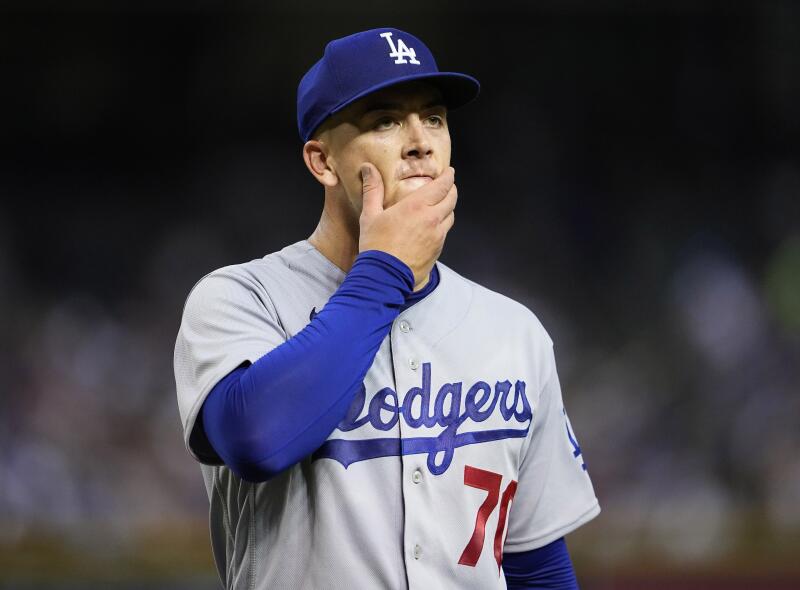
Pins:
x,y
401,51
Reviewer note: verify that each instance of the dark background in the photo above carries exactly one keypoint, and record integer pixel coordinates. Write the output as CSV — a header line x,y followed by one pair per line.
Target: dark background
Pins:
x,y
631,172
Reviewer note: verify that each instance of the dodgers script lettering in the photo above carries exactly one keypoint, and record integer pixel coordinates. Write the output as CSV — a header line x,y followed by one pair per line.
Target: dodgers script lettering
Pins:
x,y
450,408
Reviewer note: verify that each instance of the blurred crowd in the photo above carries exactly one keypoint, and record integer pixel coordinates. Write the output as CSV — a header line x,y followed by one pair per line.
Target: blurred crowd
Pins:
x,y
634,180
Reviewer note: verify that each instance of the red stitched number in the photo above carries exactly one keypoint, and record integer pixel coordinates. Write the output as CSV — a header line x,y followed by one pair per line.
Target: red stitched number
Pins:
x,y
483,480
489,481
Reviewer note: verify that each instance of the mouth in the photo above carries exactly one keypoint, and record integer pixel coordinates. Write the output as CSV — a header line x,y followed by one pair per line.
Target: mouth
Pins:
x,y
416,180
418,175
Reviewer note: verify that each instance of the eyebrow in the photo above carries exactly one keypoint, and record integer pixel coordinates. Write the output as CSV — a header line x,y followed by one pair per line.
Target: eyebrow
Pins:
x,y
396,106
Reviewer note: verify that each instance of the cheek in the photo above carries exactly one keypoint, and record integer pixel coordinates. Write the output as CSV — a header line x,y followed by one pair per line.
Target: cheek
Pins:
x,y
381,155
348,169
444,150
385,160
375,152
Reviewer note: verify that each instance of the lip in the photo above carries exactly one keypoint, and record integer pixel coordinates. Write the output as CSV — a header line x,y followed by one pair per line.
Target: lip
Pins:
x,y
428,176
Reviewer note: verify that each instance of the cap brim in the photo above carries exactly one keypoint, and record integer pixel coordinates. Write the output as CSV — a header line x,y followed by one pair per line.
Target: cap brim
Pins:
x,y
457,89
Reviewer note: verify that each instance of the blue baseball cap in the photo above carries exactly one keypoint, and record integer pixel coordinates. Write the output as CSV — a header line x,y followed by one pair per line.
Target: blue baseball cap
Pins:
x,y
355,66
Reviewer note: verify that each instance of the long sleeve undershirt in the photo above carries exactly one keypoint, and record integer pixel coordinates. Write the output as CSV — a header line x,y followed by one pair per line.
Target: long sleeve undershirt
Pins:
x,y
545,568
263,418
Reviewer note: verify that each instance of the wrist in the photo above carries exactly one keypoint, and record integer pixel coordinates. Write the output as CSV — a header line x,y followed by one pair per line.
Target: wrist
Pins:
x,y
385,268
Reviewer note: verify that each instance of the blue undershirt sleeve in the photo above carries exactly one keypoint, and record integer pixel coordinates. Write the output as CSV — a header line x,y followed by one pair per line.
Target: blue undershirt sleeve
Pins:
x,y
545,568
263,418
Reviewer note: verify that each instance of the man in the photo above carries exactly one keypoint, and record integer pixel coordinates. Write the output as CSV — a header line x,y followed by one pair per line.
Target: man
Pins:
x,y
366,417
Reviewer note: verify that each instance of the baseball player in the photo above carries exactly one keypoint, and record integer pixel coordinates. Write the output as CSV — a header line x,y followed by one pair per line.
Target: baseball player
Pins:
x,y
365,416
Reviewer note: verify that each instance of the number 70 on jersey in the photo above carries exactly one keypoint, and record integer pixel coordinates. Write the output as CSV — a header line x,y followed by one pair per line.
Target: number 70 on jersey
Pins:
x,y
489,481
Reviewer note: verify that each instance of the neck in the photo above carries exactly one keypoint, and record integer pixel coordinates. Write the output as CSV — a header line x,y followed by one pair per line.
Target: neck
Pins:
x,y
336,235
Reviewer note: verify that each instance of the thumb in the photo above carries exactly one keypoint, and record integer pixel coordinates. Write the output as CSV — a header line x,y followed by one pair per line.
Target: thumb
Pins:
x,y
371,190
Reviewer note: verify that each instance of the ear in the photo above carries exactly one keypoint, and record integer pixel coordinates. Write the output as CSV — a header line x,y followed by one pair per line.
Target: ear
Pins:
x,y
315,155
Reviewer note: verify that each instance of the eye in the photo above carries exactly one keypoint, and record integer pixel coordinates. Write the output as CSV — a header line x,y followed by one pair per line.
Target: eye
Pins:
x,y
435,120
384,124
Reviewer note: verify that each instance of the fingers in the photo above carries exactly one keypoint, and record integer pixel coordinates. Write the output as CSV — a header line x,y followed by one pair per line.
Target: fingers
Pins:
x,y
448,222
438,188
445,207
371,190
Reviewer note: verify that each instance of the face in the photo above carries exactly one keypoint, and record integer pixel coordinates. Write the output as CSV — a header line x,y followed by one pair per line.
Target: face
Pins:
x,y
401,130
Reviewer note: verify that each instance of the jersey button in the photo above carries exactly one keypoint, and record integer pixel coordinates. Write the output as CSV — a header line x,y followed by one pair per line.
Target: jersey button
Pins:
x,y
413,363
416,477
417,551
405,327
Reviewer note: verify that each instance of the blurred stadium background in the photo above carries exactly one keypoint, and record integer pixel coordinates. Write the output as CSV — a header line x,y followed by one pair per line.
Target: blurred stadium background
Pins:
x,y
631,172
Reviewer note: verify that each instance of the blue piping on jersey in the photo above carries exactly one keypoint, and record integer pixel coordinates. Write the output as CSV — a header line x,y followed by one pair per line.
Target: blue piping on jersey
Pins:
x,y
348,452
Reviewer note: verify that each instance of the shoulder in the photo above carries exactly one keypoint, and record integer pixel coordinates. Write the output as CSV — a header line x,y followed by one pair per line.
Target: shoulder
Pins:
x,y
236,282
498,310
249,281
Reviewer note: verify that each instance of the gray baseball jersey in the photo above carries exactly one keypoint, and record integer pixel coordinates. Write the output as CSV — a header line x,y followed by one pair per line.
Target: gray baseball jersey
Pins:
x,y
456,448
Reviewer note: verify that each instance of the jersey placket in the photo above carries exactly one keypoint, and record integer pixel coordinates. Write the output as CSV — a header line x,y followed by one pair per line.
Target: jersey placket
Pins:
x,y
409,374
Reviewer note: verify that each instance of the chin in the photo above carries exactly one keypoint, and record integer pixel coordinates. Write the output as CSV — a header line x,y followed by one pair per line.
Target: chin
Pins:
x,y
415,182
404,188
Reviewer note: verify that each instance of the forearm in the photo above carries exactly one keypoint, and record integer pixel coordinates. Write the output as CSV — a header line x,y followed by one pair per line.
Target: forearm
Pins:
x,y
546,568
264,418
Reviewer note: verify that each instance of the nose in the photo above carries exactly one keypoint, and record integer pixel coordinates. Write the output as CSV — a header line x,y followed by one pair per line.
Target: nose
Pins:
x,y
417,143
